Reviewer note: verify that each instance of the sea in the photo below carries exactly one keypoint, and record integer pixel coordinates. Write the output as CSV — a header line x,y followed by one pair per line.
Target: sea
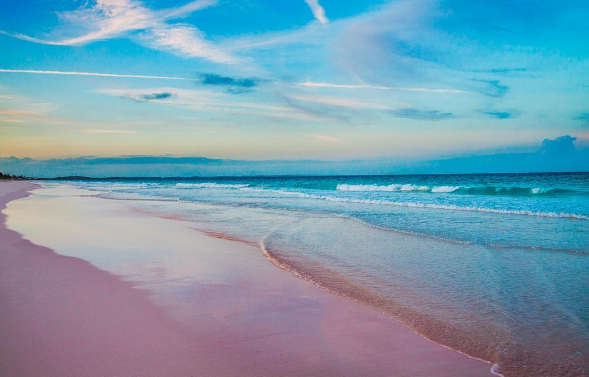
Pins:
x,y
495,266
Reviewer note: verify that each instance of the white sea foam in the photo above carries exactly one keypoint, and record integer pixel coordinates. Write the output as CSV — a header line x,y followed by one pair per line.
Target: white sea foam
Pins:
x,y
393,187
445,188
414,188
347,187
435,206
210,185
471,190
541,190
458,208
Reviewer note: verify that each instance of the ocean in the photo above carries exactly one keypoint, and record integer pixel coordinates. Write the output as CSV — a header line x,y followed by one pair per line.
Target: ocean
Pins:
x,y
495,266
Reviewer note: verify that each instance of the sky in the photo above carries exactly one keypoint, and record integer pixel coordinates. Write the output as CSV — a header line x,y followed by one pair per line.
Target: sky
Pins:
x,y
292,79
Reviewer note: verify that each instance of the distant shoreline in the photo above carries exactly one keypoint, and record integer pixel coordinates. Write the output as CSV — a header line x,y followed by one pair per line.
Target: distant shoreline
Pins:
x,y
225,177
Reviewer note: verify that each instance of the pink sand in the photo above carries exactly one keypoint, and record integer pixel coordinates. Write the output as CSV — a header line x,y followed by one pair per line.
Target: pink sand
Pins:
x,y
62,316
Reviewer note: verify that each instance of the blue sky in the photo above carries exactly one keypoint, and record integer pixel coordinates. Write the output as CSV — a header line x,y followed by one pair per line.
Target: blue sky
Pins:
x,y
295,79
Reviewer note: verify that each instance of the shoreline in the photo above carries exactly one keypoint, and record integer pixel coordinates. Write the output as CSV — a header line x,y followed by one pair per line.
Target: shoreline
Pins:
x,y
280,263
305,276
280,324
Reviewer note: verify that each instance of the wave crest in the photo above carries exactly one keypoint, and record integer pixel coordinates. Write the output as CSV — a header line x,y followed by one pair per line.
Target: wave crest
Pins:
x,y
450,207
393,187
210,185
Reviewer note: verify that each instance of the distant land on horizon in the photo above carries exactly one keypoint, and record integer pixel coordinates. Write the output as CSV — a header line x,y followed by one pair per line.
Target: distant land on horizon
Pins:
x,y
558,155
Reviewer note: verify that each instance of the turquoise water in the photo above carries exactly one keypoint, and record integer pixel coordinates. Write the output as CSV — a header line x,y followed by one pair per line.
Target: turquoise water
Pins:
x,y
495,266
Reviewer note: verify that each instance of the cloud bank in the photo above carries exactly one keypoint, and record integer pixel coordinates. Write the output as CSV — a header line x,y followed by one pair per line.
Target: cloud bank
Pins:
x,y
558,155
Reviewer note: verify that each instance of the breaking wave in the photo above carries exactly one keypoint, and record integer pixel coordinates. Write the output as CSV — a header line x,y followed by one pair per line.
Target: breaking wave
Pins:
x,y
450,207
470,190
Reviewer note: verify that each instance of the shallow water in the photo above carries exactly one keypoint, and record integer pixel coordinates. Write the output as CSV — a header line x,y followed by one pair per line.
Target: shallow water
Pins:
x,y
495,266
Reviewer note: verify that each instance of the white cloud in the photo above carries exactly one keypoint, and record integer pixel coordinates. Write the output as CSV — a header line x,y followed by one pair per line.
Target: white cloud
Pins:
x,y
70,73
108,19
186,41
317,10
186,9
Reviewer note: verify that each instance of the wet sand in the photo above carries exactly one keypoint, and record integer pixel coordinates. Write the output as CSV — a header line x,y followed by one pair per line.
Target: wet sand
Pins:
x,y
113,292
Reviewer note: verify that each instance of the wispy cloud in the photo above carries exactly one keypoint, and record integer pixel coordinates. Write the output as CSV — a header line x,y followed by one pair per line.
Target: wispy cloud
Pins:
x,y
428,43
186,41
207,101
341,102
26,116
501,114
310,84
429,115
235,85
104,131
310,34
214,79
72,73
503,71
107,19
37,112
20,109
324,137
490,88
40,113
161,95
316,109
155,96
186,9
318,11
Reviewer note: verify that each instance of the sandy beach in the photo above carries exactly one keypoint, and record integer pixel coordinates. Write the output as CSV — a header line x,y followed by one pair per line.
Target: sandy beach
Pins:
x,y
89,287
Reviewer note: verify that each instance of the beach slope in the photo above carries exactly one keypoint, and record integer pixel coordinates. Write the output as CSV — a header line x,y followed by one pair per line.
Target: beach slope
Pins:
x,y
206,306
